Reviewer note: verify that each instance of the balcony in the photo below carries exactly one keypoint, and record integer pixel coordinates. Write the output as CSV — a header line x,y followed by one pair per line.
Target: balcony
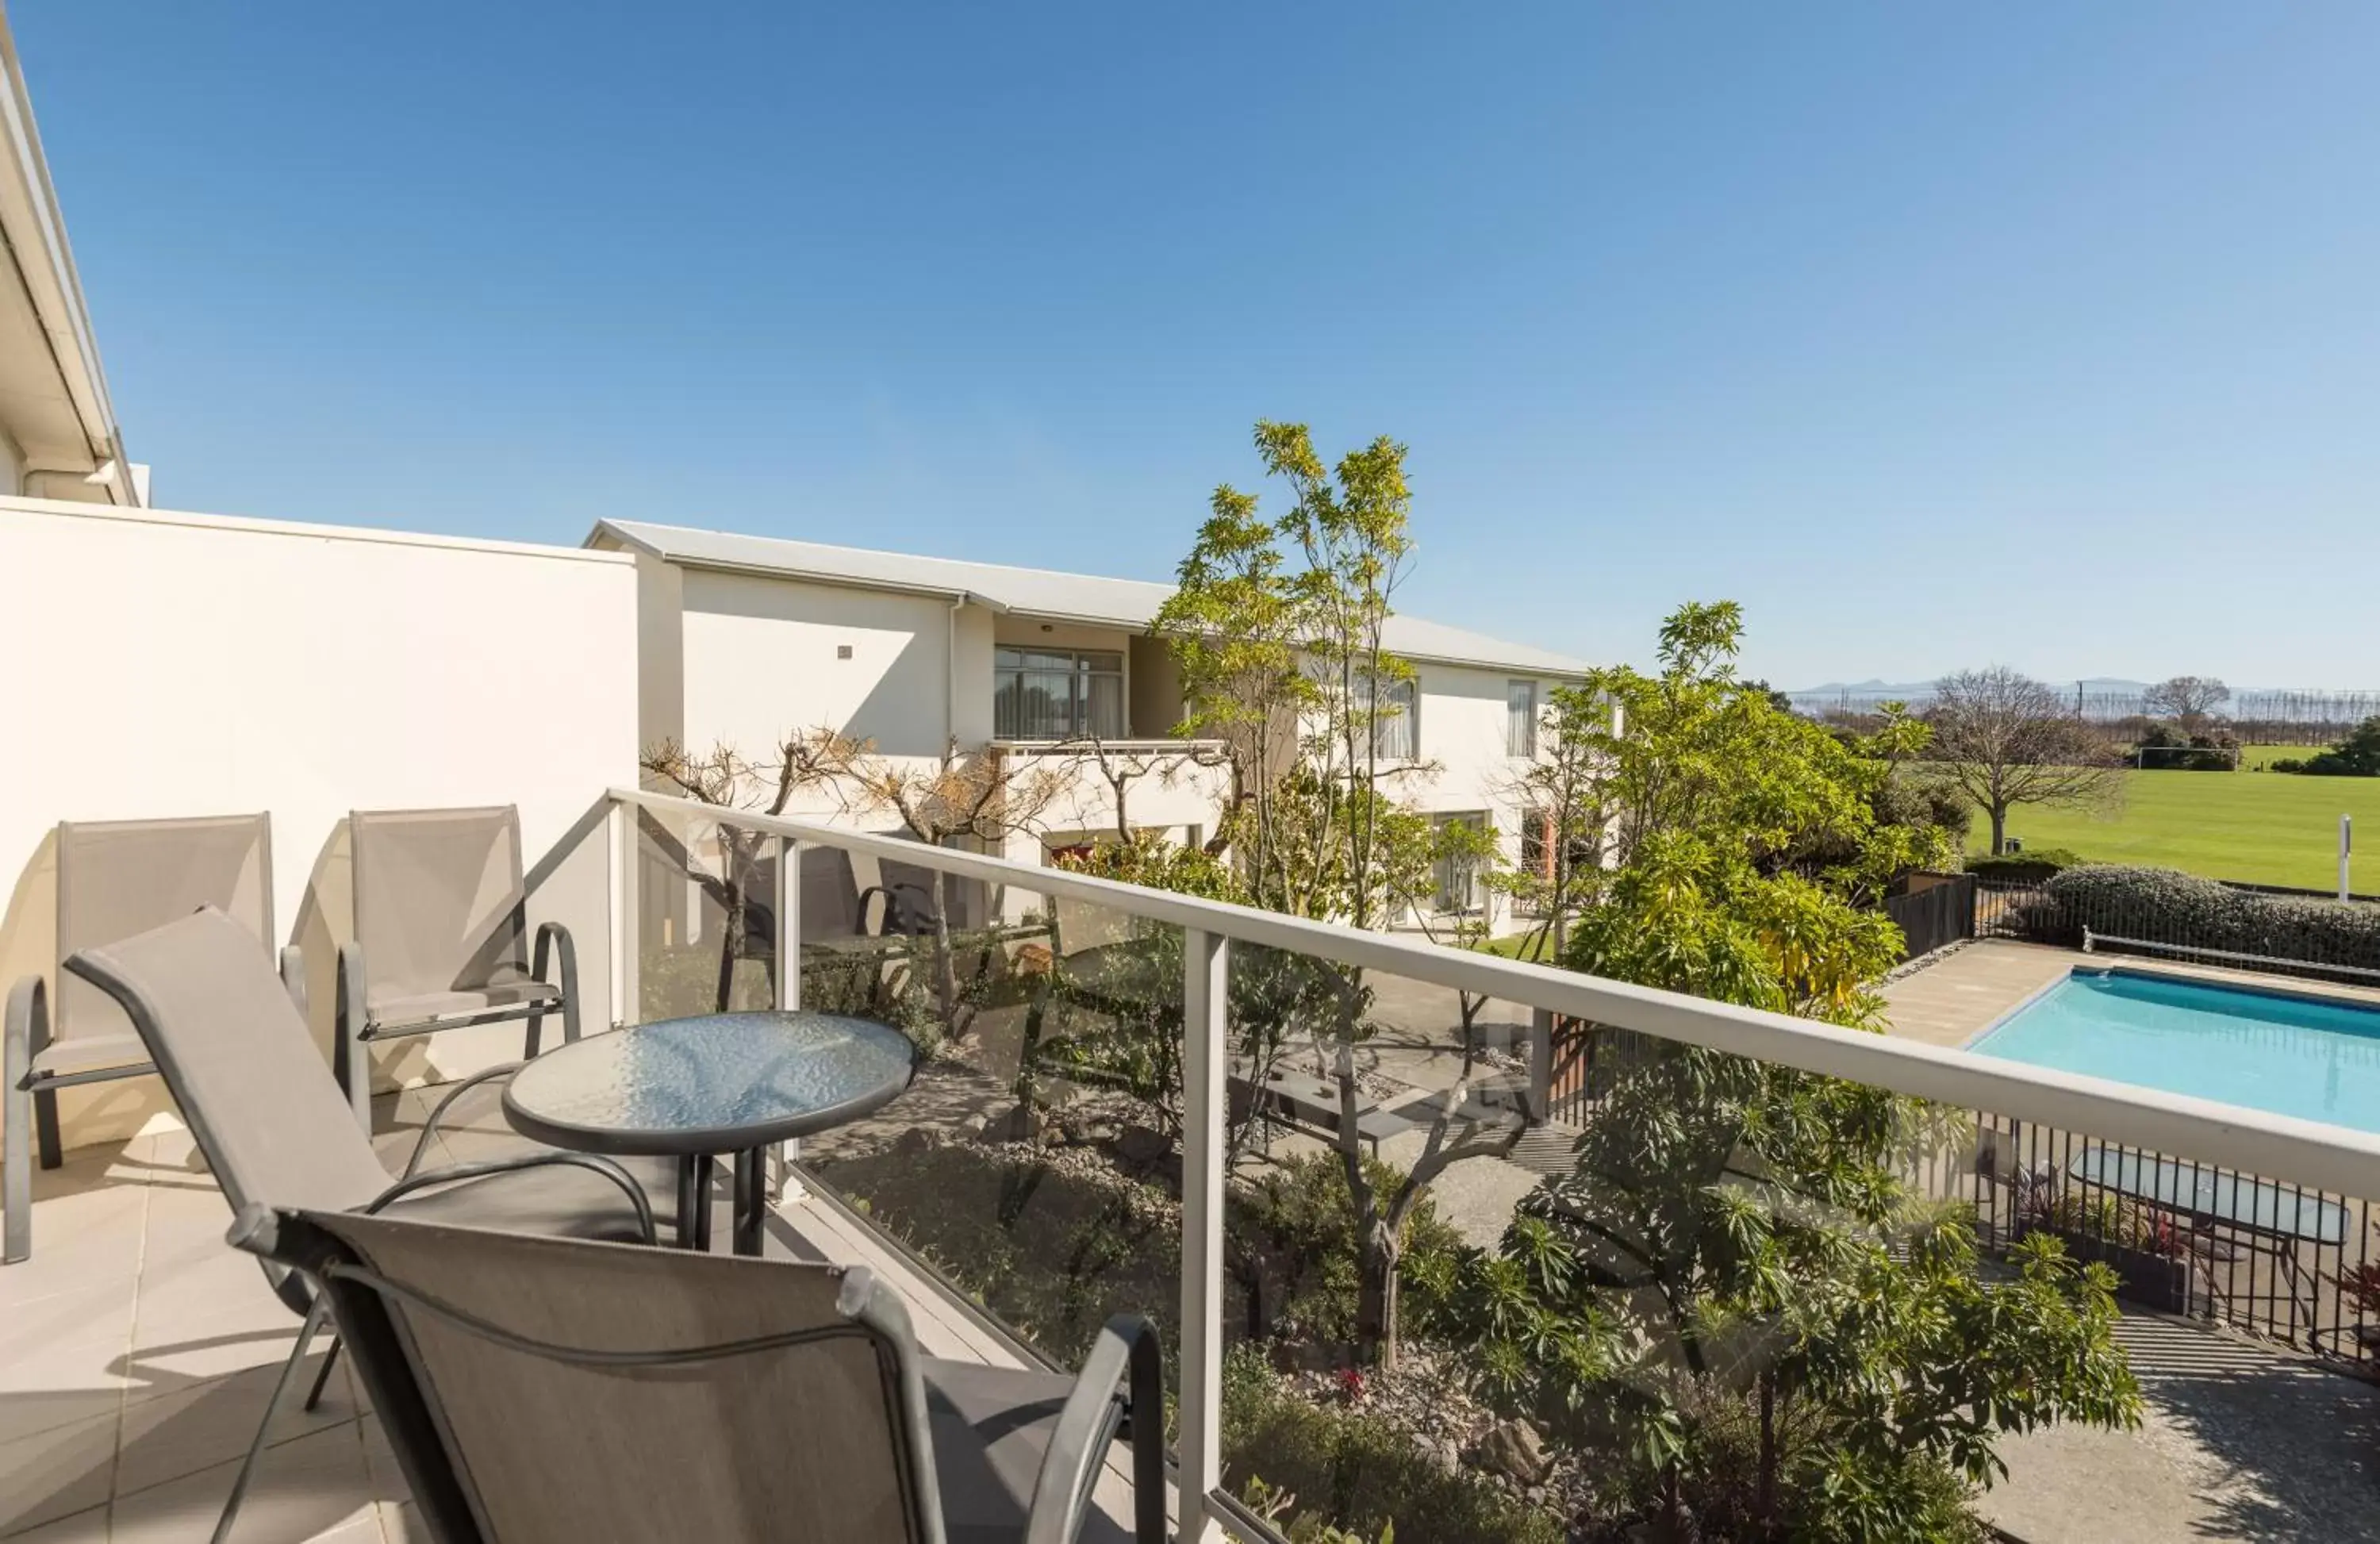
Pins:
x,y
1124,1091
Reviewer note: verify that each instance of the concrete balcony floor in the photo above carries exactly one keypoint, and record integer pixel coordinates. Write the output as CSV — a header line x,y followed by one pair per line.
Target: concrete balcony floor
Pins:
x,y
137,1351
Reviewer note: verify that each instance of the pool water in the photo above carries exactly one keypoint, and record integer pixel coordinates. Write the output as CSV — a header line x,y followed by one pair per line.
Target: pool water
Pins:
x,y
2313,1058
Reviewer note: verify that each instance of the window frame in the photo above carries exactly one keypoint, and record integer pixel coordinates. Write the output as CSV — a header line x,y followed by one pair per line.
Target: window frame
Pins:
x,y
1476,903
1404,694
1011,668
1523,745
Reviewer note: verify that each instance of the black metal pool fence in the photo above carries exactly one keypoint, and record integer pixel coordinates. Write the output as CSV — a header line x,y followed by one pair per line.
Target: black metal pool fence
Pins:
x,y
2276,1260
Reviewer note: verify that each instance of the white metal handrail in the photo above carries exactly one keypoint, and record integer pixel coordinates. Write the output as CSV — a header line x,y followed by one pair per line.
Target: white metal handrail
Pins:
x,y
2275,1147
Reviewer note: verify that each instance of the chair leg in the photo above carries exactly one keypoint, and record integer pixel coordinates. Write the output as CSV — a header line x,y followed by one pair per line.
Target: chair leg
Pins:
x,y
45,1127
27,1007
314,1319
322,1379
350,1053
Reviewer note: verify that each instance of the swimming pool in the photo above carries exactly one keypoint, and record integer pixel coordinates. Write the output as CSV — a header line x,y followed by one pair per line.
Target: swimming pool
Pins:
x,y
2315,1058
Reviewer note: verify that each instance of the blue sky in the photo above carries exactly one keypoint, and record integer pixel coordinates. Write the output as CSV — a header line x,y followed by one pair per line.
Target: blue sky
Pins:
x,y
1935,335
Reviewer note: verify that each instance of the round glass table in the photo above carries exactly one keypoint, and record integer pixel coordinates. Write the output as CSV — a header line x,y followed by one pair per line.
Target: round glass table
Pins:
x,y
694,1089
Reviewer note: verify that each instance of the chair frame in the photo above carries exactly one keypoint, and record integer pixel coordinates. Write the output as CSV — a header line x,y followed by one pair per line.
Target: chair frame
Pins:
x,y
355,1030
26,1031
1128,1350
297,1291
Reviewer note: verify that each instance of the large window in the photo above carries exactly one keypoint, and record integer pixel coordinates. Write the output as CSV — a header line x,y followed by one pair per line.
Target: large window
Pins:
x,y
1458,874
1396,721
1521,717
1056,694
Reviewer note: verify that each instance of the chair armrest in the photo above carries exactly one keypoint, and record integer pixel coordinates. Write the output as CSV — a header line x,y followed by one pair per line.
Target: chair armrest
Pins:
x,y
293,976
438,1110
1062,1492
549,1160
27,1026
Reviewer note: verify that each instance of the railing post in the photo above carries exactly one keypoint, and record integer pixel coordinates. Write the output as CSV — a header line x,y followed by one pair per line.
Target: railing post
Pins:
x,y
1205,1051
627,939
1541,1066
781,1185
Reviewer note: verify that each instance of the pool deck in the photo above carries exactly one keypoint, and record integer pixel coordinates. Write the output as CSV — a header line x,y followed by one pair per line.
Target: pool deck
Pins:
x,y
1967,991
2239,1439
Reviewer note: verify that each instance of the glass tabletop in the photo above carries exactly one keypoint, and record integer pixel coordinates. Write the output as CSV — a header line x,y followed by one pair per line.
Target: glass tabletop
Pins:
x,y
714,1084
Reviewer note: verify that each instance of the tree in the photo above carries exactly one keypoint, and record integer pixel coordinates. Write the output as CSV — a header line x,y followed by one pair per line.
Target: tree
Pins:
x,y
724,777
1279,630
2007,739
2358,755
2188,701
1735,1249
983,796
1564,790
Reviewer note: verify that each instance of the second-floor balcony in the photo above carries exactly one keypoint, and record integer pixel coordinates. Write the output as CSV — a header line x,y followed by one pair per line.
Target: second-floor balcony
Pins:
x,y
1130,1102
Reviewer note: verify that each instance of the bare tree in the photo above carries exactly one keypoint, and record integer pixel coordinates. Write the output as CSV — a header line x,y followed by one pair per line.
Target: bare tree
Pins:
x,y
985,795
2008,739
1121,766
2189,700
725,777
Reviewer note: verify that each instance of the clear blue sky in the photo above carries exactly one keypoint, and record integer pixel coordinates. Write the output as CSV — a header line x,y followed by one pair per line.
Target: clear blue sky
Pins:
x,y
1935,335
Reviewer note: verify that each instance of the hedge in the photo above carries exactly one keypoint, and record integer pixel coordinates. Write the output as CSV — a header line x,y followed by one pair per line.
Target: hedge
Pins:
x,y
2031,865
2164,905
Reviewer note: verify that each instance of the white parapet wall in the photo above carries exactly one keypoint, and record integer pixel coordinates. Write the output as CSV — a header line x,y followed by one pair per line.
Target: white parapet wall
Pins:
x,y
160,664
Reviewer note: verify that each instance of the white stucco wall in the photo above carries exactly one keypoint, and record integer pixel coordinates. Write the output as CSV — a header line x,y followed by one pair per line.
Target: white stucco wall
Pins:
x,y
761,660
167,664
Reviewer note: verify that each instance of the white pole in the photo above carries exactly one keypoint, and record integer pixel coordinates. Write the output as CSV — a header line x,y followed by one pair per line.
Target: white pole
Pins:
x,y
1205,1051
2345,850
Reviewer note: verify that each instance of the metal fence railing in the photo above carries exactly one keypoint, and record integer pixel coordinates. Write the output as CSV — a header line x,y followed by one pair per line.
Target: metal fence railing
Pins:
x,y
2191,921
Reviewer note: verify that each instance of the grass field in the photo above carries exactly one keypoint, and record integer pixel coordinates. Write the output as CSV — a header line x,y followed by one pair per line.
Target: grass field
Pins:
x,y
2269,828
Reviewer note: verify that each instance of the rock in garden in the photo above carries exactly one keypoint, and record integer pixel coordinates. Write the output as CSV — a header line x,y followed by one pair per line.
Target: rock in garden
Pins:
x,y
1515,1450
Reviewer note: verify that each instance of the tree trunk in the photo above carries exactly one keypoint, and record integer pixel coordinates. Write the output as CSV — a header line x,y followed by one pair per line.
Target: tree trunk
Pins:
x,y
1376,1304
731,945
1999,828
946,964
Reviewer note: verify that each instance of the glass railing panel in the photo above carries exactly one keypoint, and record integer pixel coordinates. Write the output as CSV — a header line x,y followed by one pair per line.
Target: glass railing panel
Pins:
x,y
1033,1166
1679,1292
702,893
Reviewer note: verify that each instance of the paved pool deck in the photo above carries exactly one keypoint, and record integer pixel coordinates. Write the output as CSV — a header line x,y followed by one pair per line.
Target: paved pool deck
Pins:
x,y
2239,1439
1966,991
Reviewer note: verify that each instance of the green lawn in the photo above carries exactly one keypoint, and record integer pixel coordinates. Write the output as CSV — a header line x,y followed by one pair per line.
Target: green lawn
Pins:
x,y
2269,828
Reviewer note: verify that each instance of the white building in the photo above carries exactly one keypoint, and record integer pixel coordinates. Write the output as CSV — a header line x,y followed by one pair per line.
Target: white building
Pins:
x,y
745,639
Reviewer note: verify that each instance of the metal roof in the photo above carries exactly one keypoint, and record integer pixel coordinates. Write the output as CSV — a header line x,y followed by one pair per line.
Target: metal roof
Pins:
x,y
1036,593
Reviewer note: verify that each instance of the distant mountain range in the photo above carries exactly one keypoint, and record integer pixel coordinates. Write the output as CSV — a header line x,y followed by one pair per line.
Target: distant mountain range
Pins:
x,y
1911,690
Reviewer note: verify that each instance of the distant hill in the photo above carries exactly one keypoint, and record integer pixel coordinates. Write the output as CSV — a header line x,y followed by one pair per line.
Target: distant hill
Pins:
x,y
1919,691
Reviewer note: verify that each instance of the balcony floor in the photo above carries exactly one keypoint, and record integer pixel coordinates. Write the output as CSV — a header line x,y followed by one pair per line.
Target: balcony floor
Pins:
x,y
137,1351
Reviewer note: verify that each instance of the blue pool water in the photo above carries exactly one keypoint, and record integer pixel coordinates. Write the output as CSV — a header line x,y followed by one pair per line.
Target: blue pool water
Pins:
x,y
2302,1056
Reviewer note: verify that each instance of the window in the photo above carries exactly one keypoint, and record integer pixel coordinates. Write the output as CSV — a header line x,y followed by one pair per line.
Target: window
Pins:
x,y
1056,694
1396,723
1458,875
1521,717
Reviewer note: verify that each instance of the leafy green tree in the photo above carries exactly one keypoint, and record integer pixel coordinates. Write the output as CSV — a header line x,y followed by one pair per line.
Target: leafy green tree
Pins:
x,y
1734,1248
2356,756
1279,630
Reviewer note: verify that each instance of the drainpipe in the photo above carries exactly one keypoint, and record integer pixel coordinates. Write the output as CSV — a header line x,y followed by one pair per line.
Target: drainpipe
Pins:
x,y
951,676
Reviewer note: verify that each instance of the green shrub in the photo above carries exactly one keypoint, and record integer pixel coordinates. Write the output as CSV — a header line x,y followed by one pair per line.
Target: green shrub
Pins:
x,y
1291,1247
2356,756
2165,905
1354,1471
2030,867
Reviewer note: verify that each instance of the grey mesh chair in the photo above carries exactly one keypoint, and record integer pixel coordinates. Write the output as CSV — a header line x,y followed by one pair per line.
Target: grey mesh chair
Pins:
x,y
116,879
440,938
539,1390
240,1063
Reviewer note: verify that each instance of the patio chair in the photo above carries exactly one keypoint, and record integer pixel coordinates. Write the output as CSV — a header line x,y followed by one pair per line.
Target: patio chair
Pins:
x,y
243,1068
116,879
440,939
540,1389
834,906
